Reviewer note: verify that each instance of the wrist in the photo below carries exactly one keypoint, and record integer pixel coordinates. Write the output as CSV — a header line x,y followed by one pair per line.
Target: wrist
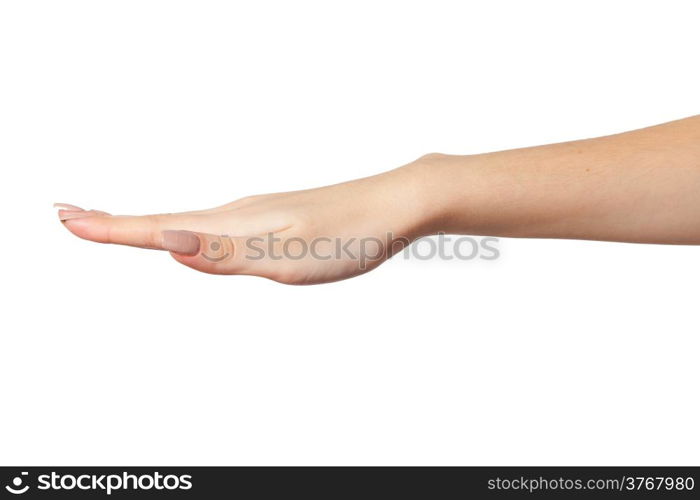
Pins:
x,y
434,177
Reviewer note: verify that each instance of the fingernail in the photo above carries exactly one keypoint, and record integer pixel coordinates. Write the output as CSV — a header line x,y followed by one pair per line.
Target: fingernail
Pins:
x,y
66,206
181,242
78,214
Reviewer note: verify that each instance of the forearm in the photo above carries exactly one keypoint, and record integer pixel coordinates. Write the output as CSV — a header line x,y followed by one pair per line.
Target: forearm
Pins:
x,y
640,186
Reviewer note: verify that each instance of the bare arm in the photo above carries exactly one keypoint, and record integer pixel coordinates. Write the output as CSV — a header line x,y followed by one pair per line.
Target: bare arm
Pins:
x,y
641,186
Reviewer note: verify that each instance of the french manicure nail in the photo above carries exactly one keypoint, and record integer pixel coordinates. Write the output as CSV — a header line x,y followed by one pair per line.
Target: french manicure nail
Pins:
x,y
67,206
181,242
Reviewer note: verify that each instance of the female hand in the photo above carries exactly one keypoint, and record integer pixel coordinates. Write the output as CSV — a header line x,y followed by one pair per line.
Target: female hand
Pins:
x,y
303,237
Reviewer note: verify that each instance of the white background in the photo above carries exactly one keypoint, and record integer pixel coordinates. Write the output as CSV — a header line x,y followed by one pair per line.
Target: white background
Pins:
x,y
561,352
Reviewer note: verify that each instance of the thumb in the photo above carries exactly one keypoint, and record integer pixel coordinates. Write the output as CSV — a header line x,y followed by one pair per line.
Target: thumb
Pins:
x,y
209,253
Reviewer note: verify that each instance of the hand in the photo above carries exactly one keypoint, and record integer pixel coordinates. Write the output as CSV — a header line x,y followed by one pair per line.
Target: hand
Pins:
x,y
303,237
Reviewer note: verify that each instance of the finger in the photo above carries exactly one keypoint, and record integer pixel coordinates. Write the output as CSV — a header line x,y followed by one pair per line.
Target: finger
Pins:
x,y
67,207
139,231
145,231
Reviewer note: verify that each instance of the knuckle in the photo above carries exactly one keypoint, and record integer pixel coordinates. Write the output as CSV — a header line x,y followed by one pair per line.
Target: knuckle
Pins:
x,y
153,225
246,200
432,157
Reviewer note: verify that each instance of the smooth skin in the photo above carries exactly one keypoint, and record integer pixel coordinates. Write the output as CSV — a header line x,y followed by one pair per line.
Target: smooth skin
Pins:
x,y
641,186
